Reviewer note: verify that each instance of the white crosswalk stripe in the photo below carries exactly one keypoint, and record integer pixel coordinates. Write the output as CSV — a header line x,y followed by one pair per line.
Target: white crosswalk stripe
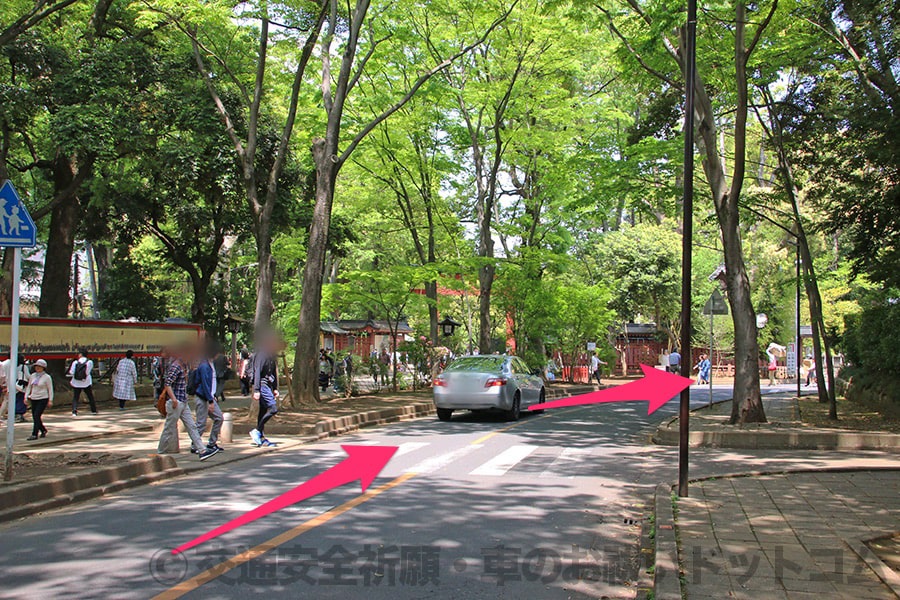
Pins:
x,y
430,465
564,463
503,462
407,447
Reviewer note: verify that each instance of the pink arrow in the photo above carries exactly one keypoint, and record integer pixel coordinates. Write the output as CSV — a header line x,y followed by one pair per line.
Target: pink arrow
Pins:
x,y
363,463
657,387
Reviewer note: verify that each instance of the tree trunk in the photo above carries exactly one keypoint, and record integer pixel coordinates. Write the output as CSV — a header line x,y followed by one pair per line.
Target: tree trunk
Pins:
x,y
747,401
485,283
432,295
102,258
305,376
54,300
265,274
485,278
200,285
6,282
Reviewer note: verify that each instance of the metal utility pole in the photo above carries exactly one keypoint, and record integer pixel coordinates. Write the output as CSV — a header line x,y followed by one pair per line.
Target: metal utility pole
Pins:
x,y
687,241
798,352
711,341
13,365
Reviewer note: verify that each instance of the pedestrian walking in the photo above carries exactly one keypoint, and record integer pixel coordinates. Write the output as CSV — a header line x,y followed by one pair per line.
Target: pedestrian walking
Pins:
x,y
222,366
39,395
206,405
176,381
4,388
595,367
811,375
265,387
80,379
674,361
703,368
158,369
326,369
246,373
22,375
348,367
124,380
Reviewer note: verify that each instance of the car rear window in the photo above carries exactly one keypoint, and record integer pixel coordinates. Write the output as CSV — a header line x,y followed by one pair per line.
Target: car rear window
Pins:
x,y
476,363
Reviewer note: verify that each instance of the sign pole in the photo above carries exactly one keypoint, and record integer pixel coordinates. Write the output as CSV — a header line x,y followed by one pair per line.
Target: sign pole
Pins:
x,y
711,338
798,353
13,364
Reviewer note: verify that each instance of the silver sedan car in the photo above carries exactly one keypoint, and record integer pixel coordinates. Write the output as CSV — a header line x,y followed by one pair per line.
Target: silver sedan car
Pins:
x,y
487,382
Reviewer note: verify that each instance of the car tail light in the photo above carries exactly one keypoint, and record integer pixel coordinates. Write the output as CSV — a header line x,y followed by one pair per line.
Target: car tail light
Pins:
x,y
440,382
495,382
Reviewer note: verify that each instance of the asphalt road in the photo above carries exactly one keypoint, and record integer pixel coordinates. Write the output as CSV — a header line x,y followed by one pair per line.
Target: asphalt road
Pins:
x,y
548,507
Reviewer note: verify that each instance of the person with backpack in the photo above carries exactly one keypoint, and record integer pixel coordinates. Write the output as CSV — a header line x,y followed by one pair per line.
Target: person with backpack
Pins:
x,y
81,381
177,390
205,385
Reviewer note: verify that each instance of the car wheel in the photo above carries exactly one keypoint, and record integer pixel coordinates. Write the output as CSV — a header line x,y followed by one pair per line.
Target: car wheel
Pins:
x,y
513,413
541,400
444,414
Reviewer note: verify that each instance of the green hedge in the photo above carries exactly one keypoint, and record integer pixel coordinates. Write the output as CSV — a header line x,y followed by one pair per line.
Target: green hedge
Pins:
x,y
872,339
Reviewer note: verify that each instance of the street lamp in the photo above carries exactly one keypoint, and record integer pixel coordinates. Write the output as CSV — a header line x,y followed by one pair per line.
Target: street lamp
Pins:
x,y
448,326
233,324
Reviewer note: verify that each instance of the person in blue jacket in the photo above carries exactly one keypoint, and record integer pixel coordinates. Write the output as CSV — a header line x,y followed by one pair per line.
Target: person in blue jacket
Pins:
x,y
205,402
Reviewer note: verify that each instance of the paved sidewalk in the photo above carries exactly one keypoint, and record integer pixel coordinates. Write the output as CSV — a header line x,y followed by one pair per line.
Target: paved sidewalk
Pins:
x,y
788,537
709,427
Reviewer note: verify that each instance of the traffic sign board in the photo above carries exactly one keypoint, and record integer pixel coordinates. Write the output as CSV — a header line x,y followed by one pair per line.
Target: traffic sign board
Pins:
x,y
17,229
716,305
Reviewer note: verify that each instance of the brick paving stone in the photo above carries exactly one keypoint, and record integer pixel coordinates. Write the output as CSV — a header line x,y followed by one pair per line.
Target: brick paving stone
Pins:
x,y
787,537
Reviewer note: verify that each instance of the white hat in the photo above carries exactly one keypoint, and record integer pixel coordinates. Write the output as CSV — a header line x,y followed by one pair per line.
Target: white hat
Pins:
x,y
40,363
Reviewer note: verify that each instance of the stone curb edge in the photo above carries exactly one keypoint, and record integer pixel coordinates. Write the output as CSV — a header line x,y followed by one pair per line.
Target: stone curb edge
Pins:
x,y
666,572
799,440
40,496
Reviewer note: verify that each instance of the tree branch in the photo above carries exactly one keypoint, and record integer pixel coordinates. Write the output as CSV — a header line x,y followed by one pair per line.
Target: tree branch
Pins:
x,y
762,27
419,83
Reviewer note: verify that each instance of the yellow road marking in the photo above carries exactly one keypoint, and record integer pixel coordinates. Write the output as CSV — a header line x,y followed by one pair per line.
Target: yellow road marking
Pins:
x,y
212,573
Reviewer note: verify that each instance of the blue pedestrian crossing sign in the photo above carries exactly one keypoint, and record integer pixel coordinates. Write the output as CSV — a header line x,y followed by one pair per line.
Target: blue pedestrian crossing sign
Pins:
x,y
17,229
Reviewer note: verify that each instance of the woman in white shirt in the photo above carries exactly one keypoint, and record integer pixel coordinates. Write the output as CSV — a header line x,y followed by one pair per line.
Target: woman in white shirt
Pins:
x,y
39,394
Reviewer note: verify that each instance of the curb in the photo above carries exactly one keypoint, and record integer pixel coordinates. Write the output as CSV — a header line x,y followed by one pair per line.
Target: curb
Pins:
x,y
666,574
795,440
40,496
88,436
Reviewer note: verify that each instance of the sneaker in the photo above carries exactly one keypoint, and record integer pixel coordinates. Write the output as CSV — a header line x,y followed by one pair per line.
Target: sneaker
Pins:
x,y
267,444
74,414
208,453
256,436
193,450
215,447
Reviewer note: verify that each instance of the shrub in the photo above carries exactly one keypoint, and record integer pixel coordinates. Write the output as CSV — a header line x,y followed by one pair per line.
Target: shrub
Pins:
x,y
872,337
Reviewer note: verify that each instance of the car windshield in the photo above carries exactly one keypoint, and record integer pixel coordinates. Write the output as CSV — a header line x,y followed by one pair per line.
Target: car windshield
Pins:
x,y
476,364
